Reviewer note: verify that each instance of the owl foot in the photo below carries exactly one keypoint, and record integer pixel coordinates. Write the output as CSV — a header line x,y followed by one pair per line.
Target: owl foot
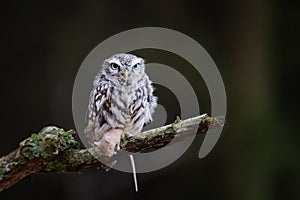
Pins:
x,y
126,135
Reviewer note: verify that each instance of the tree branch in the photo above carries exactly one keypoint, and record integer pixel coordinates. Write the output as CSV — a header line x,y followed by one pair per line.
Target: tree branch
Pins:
x,y
56,150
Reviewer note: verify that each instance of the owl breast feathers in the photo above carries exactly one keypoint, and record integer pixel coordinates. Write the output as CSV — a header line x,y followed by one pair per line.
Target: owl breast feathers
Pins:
x,y
122,98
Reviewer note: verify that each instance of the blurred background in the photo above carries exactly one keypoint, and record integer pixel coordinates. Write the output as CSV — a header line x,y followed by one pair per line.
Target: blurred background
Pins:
x,y
255,44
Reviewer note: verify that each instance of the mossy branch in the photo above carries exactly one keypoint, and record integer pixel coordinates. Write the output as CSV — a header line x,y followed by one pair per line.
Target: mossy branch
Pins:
x,y
56,150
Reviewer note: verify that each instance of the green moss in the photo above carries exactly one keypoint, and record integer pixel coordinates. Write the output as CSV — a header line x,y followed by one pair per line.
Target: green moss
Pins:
x,y
56,165
48,142
70,158
169,130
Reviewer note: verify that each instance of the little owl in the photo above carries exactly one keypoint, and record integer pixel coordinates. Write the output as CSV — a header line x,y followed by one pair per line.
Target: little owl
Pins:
x,y
121,101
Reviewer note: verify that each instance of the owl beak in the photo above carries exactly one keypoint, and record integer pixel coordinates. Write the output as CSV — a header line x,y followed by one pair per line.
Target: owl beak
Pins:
x,y
126,75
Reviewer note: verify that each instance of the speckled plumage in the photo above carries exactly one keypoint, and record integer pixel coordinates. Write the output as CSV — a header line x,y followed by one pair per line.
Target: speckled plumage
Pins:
x,y
119,103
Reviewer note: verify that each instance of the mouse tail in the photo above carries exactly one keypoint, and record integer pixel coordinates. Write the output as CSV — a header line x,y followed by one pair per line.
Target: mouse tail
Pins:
x,y
133,172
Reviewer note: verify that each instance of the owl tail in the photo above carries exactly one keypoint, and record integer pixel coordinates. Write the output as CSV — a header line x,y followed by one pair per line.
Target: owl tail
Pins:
x,y
133,172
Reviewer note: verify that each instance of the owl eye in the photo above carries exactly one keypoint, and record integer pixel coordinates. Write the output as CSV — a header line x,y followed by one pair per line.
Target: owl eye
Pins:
x,y
114,66
135,66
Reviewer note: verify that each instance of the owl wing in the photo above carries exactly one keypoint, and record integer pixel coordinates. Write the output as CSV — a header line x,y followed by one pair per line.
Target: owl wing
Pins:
x,y
99,103
150,101
143,107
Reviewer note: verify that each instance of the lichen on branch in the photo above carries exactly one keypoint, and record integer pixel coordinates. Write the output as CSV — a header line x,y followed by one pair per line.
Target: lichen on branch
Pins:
x,y
56,150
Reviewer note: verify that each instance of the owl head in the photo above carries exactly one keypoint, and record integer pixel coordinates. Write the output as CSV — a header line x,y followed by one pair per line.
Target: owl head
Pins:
x,y
123,68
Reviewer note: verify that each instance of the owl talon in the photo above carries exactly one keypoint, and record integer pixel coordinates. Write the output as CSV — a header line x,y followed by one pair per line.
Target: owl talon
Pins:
x,y
126,135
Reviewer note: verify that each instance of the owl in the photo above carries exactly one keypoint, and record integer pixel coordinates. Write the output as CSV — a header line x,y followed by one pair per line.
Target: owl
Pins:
x,y
121,101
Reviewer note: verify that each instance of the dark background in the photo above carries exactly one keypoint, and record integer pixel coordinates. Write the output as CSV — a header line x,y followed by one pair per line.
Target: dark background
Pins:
x,y
255,45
